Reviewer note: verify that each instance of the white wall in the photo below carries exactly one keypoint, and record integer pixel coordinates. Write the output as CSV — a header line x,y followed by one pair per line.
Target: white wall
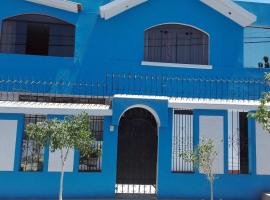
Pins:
x,y
55,161
212,127
8,132
262,150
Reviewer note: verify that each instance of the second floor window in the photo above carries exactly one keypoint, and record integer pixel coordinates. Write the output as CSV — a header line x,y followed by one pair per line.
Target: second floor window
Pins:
x,y
37,35
174,43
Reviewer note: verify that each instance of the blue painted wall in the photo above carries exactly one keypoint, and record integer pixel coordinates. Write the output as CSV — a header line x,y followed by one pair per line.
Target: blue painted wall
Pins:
x,y
45,184
227,186
117,45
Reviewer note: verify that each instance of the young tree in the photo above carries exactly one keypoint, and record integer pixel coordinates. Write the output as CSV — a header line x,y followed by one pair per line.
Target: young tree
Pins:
x,y
203,158
64,135
262,115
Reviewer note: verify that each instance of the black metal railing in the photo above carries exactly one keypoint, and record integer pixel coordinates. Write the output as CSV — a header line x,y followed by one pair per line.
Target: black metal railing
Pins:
x,y
100,92
187,87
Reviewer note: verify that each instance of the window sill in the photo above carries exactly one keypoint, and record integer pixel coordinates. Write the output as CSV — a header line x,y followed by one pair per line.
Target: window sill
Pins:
x,y
176,65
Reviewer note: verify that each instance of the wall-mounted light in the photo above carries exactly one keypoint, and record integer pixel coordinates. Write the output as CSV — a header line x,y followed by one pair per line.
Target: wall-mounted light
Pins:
x,y
111,128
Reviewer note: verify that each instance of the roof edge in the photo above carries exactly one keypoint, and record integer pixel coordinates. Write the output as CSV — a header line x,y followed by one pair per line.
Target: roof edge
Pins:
x,y
227,8
232,11
117,7
66,5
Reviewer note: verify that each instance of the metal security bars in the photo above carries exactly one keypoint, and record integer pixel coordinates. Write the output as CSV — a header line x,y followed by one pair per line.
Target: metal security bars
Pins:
x,y
182,140
175,43
238,143
102,91
32,155
61,99
93,162
187,87
37,35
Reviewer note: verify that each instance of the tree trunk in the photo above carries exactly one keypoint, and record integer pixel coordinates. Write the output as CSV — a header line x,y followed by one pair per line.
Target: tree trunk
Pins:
x,y
212,189
62,176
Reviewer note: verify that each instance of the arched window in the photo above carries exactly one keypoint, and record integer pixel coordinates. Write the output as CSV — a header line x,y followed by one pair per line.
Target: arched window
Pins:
x,y
174,43
37,35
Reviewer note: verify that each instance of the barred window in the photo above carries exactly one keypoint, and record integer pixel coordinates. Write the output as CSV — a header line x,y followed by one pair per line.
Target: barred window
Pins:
x,y
36,34
62,99
238,143
175,43
32,155
182,140
93,162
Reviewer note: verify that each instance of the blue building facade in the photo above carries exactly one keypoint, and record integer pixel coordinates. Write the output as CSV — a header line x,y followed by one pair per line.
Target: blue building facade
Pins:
x,y
155,76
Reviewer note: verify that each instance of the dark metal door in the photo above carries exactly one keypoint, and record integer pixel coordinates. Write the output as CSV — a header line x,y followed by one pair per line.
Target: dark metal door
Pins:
x,y
137,148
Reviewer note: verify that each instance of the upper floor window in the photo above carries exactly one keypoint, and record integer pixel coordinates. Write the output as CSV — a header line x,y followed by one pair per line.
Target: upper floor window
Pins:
x,y
37,35
257,47
174,43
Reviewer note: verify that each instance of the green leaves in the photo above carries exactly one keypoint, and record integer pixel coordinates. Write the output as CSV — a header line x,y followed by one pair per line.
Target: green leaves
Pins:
x,y
262,114
72,132
203,157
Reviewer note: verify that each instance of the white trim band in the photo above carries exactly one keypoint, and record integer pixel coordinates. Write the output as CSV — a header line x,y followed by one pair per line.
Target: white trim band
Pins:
x,y
53,108
176,65
66,5
232,11
116,7
196,103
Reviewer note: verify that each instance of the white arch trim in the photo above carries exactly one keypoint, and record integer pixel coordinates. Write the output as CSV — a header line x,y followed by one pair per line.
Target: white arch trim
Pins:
x,y
181,24
148,108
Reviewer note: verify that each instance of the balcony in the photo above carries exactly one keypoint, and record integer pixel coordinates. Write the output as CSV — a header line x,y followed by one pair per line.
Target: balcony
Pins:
x,y
100,92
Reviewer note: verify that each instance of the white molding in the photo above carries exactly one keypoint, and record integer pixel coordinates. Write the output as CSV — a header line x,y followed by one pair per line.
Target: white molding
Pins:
x,y
213,104
178,23
66,5
148,108
176,65
54,108
116,7
233,11
227,8
200,103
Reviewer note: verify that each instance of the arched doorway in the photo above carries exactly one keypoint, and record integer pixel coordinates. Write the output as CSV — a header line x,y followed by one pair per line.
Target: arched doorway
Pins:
x,y
137,151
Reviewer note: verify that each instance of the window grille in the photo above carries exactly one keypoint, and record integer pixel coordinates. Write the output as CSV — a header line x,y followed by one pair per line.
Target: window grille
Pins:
x,y
182,140
238,143
37,35
174,43
32,155
62,99
93,163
